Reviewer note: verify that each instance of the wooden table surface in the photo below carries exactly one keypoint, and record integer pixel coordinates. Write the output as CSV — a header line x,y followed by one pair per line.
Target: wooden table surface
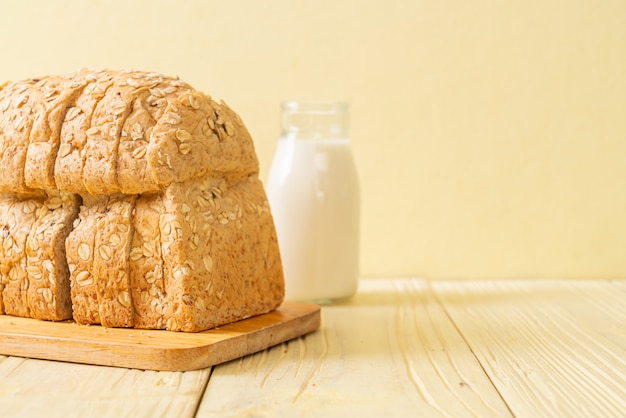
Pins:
x,y
400,347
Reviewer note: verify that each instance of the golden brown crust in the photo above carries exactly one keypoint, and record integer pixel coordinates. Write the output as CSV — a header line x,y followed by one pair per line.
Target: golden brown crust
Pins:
x,y
76,134
148,107
100,169
212,142
48,287
79,246
20,220
174,231
21,103
58,94
220,252
243,229
111,262
6,202
75,130
146,264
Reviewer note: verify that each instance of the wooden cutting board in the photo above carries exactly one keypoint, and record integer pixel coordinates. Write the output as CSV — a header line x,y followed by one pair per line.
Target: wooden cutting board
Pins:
x,y
151,349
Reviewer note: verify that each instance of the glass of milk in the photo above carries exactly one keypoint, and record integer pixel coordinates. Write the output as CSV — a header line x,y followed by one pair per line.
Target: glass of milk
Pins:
x,y
313,190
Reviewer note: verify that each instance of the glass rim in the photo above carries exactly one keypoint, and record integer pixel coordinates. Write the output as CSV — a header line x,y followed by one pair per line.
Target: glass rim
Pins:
x,y
315,105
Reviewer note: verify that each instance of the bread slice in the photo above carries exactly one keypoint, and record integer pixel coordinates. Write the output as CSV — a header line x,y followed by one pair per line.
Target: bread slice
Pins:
x,y
79,246
75,130
212,142
146,264
59,93
48,286
208,237
15,126
243,230
100,169
187,272
6,223
111,268
20,220
149,107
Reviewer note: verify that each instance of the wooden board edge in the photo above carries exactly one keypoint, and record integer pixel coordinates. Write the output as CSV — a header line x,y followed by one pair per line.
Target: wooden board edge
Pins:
x,y
202,353
248,343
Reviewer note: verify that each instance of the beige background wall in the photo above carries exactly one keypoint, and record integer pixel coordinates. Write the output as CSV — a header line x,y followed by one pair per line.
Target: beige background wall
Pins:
x,y
490,135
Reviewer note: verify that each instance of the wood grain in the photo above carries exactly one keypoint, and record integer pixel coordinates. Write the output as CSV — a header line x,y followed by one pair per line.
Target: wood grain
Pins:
x,y
154,350
551,347
391,351
400,347
38,388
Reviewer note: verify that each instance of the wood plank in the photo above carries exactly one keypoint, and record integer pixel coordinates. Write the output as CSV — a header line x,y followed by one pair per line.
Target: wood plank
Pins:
x,y
154,350
37,388
390,351
551,347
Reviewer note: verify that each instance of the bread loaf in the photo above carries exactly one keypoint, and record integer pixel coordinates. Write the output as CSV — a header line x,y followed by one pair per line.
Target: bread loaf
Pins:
x,y
130,199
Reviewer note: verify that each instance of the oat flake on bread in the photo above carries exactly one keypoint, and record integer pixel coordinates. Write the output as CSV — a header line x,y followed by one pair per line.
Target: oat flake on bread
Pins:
x,y
130,199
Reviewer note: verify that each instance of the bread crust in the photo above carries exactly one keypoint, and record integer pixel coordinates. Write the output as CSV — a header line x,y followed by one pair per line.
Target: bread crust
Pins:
x,y
70,158
210,231
48,287
100,168
6,201
20,220
18,107
130,199
111,268
79,247
58,94
147,279
147,109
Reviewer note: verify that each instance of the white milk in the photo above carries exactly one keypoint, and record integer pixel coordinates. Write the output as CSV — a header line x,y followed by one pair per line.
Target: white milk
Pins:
x,y
314,197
